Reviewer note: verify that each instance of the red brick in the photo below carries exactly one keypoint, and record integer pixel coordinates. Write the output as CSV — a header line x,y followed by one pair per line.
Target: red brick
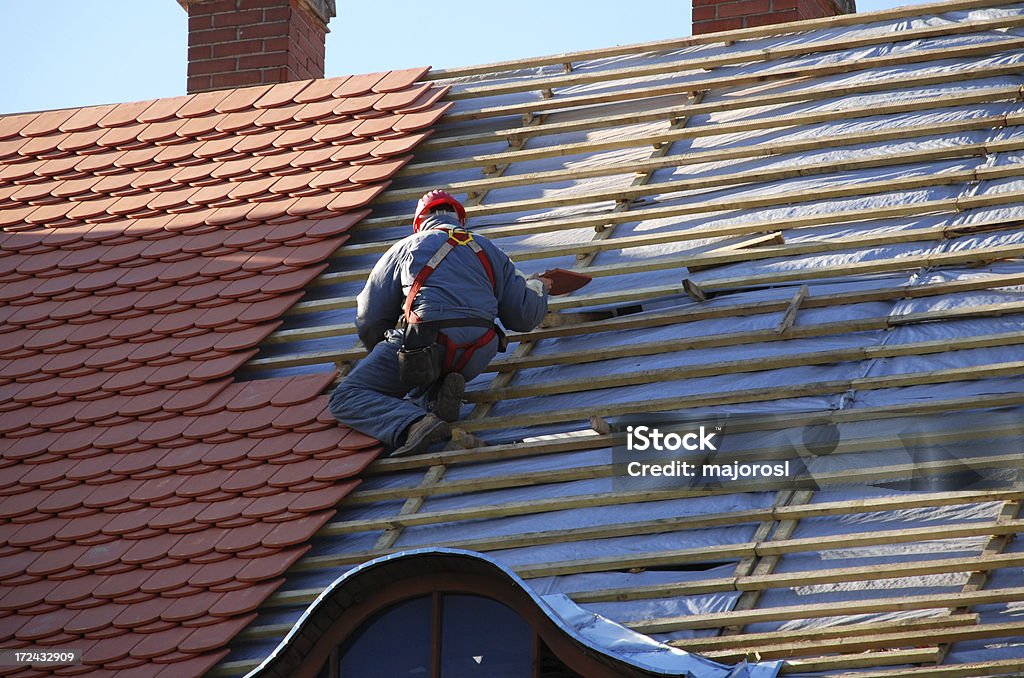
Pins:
x,y
211,66
199,83
277,14
703,13
813,9
200,52
235,79
276,45
241,47
274,75
772,18
251,16
265,4
264,30
778,5
212,36
743,8
279,38
199,23
211,7
701,27
260,61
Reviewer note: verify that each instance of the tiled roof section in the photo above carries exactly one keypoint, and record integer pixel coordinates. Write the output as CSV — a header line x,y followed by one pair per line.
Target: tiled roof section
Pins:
x,y
149,503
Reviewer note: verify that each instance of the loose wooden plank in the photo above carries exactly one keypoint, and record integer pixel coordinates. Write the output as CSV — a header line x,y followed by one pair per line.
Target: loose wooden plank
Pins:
x,y
789,317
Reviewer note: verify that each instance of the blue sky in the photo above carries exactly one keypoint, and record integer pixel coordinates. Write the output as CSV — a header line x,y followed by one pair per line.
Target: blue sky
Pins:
x,y
62,53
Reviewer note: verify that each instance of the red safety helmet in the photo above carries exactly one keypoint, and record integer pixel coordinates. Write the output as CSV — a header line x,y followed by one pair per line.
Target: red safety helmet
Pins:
x,y
432,200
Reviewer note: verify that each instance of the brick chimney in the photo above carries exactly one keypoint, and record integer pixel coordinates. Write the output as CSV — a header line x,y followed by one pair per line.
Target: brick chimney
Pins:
x,y
710,16
236,43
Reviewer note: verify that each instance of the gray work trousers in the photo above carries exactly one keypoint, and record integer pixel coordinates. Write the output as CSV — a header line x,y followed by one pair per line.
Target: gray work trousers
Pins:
x,y
372,399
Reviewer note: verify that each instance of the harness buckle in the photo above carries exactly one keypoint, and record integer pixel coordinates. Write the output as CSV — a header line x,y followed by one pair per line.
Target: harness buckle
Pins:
x,y
460,236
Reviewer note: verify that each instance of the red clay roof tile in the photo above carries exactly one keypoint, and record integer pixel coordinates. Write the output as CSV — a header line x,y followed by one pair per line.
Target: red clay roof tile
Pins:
x,y
198,127
124,114
114,649
336,130
371,174
321,499
43,625
357,104
234,122
269,566
378,125
356,85
108,310
412,122
359,197
400,80
162,109
203,104
281,94
295,532
316,111
280,117
156,644
245,599
11,125
403,98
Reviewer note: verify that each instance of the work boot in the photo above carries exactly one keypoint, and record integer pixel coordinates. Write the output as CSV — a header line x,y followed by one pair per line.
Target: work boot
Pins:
x,y
449,398
421,434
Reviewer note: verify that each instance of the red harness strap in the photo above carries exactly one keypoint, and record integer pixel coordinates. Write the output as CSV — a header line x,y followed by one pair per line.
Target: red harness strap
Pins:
x,y
468,349
456,237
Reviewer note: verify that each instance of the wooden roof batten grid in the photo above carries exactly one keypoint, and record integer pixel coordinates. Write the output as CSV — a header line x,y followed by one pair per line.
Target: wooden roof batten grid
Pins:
x,y
922,641
952,177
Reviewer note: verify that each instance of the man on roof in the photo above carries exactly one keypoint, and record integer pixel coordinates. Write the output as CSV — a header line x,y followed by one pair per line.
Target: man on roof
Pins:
x,y
448,286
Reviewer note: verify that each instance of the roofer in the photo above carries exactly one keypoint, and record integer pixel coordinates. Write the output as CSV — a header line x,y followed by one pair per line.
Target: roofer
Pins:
x,y
448,286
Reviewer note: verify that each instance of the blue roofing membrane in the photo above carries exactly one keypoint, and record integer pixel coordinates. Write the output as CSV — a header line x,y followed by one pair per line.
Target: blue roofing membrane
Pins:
x,y
912,151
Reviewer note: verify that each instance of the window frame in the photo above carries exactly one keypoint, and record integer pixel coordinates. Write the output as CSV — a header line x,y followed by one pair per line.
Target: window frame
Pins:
x,y
359,610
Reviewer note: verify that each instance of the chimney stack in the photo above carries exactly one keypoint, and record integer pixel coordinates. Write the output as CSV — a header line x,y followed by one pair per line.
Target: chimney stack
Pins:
x,y
711,16
237,43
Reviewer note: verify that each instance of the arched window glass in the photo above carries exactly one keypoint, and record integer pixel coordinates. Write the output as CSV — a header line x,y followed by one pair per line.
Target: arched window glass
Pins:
x,y
395,643
446,636
481,637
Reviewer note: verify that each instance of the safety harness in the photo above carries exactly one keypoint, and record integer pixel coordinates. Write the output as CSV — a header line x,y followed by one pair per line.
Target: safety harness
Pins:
x,y
457,237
